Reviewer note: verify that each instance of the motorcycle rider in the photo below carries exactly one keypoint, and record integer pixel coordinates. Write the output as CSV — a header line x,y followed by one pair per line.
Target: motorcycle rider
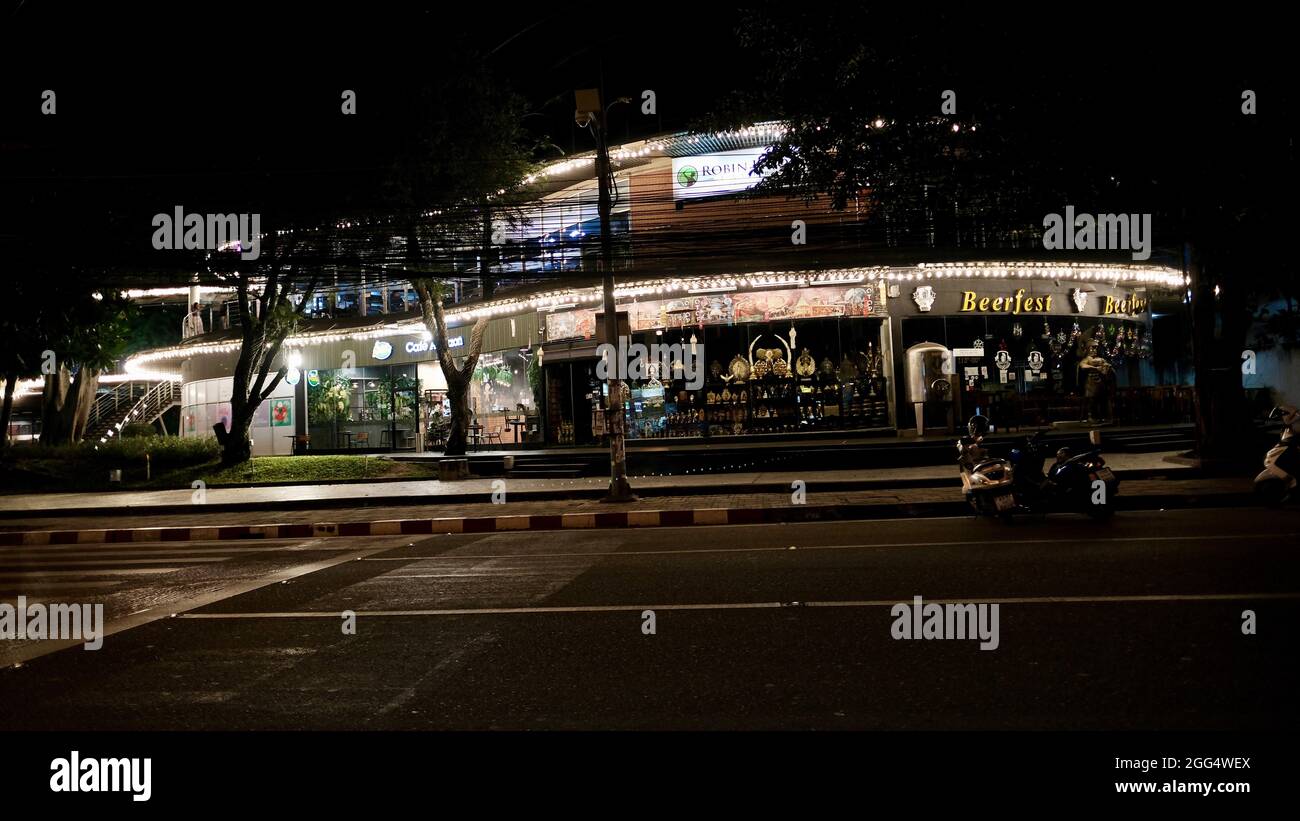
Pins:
x,y
1277,481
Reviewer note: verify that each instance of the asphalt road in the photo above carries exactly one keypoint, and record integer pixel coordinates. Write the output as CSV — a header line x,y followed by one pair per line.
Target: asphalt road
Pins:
x,y
1131,624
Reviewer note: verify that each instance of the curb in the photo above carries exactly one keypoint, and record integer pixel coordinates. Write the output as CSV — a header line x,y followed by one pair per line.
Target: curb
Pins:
x,y
566,521
537,495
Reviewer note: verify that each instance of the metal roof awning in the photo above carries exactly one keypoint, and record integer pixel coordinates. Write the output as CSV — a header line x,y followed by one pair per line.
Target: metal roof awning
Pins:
x,y
581,350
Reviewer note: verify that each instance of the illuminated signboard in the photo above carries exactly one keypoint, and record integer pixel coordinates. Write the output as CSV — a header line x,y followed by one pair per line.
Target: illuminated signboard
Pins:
x,y
710,175
1012,303
422,345
1131,305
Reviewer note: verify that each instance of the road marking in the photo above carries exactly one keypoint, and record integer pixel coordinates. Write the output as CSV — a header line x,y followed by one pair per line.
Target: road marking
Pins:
x,y
106,571
486,611
783,548
126,549
446,575
66,561
34,649
619,608
50,585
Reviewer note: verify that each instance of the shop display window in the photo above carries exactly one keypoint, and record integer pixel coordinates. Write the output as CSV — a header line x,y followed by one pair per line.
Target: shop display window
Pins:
x,y
769,378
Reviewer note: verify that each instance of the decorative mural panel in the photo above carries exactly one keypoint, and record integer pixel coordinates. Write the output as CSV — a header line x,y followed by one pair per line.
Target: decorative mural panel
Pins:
x,y
807,303
579,324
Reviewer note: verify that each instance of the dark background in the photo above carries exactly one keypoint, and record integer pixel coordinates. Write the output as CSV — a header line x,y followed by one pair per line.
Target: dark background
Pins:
x,y
235,107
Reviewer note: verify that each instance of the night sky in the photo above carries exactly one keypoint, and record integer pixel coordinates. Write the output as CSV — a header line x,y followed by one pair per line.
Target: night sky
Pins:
x,y
224,106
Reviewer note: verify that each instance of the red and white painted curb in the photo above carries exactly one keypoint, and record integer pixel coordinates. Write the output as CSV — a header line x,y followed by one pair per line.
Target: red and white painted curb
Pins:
x,y
568,521
419,527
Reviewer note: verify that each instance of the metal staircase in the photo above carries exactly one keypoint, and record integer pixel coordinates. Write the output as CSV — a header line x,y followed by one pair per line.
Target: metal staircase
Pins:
x,y
135,401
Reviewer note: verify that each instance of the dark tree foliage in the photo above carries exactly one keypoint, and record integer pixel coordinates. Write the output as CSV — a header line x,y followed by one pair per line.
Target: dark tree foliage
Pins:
x,y
1044,118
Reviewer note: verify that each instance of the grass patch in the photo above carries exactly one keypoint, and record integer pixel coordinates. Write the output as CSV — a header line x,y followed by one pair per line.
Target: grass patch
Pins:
x,y
176,463
310,469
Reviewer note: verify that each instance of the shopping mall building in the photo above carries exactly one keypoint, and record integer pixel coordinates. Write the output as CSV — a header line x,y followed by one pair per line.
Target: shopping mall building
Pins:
x,y
794,344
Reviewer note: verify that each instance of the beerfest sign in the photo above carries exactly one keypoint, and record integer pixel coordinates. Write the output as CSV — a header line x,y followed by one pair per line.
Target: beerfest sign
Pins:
x,y
1014,304
1128,305
1019,303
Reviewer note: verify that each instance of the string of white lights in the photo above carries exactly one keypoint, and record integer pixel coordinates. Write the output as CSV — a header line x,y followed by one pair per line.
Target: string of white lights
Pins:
x,y
1118,274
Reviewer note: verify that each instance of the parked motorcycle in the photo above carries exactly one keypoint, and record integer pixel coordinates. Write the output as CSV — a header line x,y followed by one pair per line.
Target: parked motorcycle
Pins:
x,y
986,481
1276,483
1003,487
1069,485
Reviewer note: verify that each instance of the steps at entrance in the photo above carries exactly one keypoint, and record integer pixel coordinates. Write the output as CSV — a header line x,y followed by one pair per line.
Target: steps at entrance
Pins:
x,y
560,466
1153,442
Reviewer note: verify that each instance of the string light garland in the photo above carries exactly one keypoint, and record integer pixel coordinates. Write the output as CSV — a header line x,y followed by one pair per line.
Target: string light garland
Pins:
x,y
567,298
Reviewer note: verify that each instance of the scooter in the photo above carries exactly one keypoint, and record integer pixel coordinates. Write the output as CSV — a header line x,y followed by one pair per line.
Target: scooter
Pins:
x,y
1276,483
986,482
1078,483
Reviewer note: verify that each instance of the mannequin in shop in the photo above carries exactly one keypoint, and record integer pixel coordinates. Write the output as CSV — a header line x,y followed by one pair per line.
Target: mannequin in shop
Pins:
x,y
1096,374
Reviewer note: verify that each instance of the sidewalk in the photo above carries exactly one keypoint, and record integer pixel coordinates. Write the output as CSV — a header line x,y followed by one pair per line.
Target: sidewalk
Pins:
x,y
342,497
202,524
431,507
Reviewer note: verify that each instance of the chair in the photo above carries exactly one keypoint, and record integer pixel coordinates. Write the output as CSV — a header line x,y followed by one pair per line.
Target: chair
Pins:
x,y
361,439
435,440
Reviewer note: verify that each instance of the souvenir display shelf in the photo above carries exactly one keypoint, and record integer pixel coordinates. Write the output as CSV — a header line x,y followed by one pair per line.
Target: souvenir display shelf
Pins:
x,y
769,396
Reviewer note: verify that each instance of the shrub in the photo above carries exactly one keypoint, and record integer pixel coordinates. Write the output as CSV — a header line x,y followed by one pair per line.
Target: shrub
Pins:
x,y
136,430
164,451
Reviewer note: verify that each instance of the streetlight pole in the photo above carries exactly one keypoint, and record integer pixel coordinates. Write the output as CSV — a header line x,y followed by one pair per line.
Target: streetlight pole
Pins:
x,y
591,112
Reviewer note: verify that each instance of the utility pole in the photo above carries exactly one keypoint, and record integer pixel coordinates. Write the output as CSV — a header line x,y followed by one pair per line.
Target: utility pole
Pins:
x,y
486,280
590,112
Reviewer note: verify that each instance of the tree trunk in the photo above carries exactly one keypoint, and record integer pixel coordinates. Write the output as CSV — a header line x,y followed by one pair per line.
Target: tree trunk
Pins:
x,y
11,379
236,446
1219,329
262,336
53,398
458,379
82,400
458,432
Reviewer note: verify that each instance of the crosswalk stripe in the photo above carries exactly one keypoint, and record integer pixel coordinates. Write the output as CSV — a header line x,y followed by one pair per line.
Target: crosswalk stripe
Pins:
x,y
107,571
66,562
37,586
622,608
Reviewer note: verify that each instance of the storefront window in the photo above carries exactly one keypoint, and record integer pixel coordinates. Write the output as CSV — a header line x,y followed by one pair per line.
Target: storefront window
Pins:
x,y
1037,370
502,398
363,408
775,377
